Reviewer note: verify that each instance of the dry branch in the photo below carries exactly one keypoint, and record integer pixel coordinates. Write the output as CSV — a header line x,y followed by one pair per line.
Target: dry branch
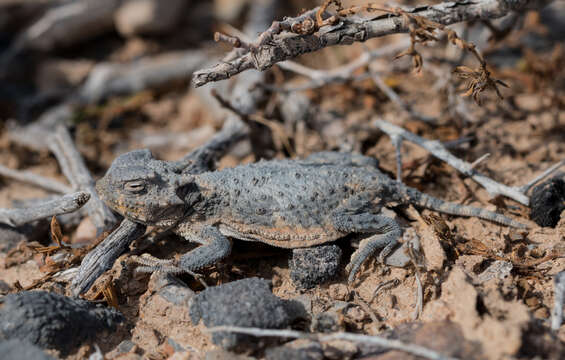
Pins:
x,y
76,172
517,193
34,179
389,344
151,72
45,209
103,256
341,74
355,29
68,24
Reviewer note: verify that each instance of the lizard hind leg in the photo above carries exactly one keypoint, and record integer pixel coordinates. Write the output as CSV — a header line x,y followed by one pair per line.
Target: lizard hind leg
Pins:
x,y
386,233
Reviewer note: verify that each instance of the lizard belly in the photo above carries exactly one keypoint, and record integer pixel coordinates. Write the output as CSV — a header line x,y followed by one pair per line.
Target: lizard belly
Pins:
x,y
281,236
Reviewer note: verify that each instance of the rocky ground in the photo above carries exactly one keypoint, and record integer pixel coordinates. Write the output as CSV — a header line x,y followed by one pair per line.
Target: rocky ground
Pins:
x,y
123,78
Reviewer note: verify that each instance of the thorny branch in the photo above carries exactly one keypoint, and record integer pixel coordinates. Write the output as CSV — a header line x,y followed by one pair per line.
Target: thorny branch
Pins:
x,y
63,205
270,48
517,193
390,344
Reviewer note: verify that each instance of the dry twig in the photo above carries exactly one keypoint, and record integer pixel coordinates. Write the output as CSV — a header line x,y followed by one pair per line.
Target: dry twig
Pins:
x,y
271,49
319,78
517,193
102,257
390,344
62,205
75,170
36,180
396,99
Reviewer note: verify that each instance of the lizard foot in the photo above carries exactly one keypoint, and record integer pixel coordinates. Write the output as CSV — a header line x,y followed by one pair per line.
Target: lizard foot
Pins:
x,y
170,266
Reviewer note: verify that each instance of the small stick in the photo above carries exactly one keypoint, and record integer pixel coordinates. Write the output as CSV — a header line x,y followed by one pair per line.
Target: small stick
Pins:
x,y
376,340
341,74
517,193
363,304
559,298
75,170
546,173
103,256
397,101
476,163
419,296
63,205
383,286
34,179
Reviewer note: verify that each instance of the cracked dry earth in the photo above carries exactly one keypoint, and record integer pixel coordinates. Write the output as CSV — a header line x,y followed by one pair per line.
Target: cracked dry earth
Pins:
x,y
487,289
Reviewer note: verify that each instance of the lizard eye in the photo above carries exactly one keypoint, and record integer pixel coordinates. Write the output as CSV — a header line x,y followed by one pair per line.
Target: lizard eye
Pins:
x,y
135,186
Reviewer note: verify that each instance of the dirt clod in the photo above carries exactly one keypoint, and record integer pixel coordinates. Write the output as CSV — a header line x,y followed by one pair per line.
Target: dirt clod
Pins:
x,y
314,266
248,302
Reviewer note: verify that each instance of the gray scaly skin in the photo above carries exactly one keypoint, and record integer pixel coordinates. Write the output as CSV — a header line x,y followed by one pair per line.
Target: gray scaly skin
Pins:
x,y
284,203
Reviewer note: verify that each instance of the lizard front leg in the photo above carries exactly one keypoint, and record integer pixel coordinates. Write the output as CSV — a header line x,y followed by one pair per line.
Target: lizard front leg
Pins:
x,y
214,247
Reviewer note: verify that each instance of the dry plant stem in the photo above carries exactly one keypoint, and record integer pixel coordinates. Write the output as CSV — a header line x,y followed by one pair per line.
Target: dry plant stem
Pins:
x,y
103,256
559,299
419,297
517,193
348,31
397,101
75,170
341,74
357,338
384,286
524,188
63,205
36,180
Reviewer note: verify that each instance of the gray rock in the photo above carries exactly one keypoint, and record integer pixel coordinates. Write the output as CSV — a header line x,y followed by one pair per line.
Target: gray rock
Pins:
x,y
53,321
247,303
313,266
21,350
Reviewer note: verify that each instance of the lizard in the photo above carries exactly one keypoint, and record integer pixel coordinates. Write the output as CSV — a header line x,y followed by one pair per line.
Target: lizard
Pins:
x,y
283,203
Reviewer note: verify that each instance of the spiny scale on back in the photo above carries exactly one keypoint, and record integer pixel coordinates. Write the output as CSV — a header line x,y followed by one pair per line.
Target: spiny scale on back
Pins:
x,y
286,203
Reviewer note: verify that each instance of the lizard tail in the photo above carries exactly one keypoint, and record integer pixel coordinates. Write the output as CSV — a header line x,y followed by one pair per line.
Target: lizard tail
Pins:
x,y
426,201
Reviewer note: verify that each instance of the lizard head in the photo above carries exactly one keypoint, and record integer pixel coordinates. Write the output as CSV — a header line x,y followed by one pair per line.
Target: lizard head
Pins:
x,y
144,189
